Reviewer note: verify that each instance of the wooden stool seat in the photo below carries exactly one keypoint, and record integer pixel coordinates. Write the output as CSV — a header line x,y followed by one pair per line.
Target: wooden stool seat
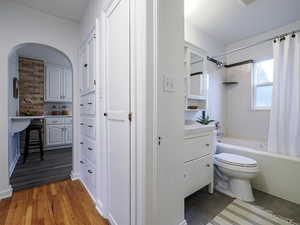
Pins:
x,y
33,127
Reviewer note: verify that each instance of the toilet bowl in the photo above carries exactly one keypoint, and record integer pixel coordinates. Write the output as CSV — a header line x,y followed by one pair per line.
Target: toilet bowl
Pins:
x,y
233,174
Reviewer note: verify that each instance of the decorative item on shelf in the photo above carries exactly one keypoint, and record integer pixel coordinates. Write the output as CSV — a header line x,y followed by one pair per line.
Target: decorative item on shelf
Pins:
x,y
64,111
27,113
193,107
204,120
55,111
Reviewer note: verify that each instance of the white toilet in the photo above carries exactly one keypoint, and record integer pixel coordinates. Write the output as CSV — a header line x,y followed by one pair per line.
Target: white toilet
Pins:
x,y
233,174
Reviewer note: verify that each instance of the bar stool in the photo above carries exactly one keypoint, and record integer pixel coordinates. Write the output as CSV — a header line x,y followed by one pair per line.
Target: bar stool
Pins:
x,y
34,126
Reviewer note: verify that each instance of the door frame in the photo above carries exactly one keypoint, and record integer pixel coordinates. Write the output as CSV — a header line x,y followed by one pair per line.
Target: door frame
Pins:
x,y
138,72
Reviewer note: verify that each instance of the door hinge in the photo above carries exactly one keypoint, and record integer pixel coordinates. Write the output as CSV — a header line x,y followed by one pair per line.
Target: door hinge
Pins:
x,y
130,116
159,139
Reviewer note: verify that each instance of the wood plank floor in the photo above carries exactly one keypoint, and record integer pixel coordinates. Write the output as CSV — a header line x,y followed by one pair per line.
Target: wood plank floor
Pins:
x,y
56,166
61,203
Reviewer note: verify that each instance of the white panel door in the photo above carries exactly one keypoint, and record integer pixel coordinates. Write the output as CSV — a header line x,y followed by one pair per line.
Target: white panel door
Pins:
x,y
118,107
53,83
91,63
67,90
55,134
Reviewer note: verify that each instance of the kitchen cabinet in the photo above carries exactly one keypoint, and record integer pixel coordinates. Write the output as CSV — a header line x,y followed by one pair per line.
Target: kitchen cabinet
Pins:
x,y
58,131
58,84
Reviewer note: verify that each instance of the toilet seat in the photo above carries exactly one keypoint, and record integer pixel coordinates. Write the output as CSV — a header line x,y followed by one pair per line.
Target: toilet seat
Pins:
x,y
235,160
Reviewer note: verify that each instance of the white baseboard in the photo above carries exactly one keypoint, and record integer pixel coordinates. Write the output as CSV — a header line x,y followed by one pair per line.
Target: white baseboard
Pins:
x,y
6,193
183,223
74,176
13,164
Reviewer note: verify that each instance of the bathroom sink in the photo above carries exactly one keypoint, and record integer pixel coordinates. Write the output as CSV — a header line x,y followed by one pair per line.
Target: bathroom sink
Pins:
x,y
197,128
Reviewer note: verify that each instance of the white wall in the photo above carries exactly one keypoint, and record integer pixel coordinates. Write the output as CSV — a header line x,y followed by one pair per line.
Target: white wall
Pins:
x,y
13,107
23,25
241,120
216,92
45,53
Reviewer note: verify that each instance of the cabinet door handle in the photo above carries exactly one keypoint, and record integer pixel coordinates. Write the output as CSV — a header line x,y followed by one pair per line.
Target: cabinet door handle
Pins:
x,y
90,171
81,124
207,145
90,126
85,65
81,162
207,165
81,104
90,149
90,103
81,143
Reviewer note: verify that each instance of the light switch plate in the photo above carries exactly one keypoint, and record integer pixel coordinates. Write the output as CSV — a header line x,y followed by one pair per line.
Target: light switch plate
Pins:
x,y
169,84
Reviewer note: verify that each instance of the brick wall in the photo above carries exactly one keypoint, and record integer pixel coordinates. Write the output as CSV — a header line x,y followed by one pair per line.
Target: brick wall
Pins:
x,y
31,85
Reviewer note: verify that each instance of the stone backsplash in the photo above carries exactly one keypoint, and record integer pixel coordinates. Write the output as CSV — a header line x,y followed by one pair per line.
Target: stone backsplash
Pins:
x,y
31,86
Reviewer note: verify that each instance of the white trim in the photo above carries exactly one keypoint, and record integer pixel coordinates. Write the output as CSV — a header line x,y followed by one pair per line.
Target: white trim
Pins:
x,y
183,223
6,193
155,146
74,176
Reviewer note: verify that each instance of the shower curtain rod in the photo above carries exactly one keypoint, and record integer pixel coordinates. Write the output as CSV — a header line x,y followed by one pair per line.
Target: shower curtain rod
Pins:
x,y
254,44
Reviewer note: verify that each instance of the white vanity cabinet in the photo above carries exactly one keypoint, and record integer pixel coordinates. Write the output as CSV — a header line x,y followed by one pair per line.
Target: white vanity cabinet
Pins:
x,y
58,84
58,131
198,159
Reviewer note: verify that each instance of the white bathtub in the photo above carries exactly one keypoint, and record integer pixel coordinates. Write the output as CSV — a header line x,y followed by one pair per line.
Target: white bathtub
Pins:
x,y
279,175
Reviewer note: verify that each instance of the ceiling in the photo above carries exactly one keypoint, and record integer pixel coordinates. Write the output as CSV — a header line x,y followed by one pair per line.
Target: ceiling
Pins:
x,y
67,9
230,20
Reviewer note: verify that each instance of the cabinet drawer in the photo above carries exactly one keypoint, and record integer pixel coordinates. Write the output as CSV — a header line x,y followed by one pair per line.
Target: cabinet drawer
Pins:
x,y
91,104
83,169
54,121
90,127
90,149
197,146
68,120
197,174
91,178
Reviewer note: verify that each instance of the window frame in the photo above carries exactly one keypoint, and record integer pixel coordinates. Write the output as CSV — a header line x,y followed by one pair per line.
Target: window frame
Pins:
x,y
254,87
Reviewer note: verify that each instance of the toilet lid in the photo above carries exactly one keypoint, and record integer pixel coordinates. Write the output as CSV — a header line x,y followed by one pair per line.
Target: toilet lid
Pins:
x,y
236,160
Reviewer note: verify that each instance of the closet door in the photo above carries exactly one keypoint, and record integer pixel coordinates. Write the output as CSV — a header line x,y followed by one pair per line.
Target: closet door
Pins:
x,y
84,70
118,108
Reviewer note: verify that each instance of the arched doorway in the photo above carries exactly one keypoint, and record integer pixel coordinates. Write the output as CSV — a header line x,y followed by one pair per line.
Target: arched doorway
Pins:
x,y
40,91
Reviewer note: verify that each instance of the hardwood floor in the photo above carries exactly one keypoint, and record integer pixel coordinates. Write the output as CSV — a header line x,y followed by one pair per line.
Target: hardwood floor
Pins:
x,y
61,203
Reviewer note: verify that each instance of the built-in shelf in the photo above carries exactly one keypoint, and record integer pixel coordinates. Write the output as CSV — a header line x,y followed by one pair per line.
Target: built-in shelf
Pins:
x,y
196,97
230,82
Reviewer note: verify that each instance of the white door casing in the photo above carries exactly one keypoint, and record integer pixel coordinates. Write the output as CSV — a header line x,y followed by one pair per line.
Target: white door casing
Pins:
x,y
67,85
117,77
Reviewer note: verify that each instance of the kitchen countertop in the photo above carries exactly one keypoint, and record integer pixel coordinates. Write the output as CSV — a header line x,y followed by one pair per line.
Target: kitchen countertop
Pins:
x,y
37,117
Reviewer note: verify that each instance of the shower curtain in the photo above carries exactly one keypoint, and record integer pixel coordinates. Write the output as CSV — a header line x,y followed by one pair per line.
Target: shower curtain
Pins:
x,y
284,131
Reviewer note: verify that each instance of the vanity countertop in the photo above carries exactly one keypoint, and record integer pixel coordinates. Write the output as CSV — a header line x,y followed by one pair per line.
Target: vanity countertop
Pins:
x,y
196,128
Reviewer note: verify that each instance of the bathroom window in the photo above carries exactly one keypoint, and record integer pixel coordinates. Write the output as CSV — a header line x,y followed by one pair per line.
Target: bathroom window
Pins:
x,y
262,84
